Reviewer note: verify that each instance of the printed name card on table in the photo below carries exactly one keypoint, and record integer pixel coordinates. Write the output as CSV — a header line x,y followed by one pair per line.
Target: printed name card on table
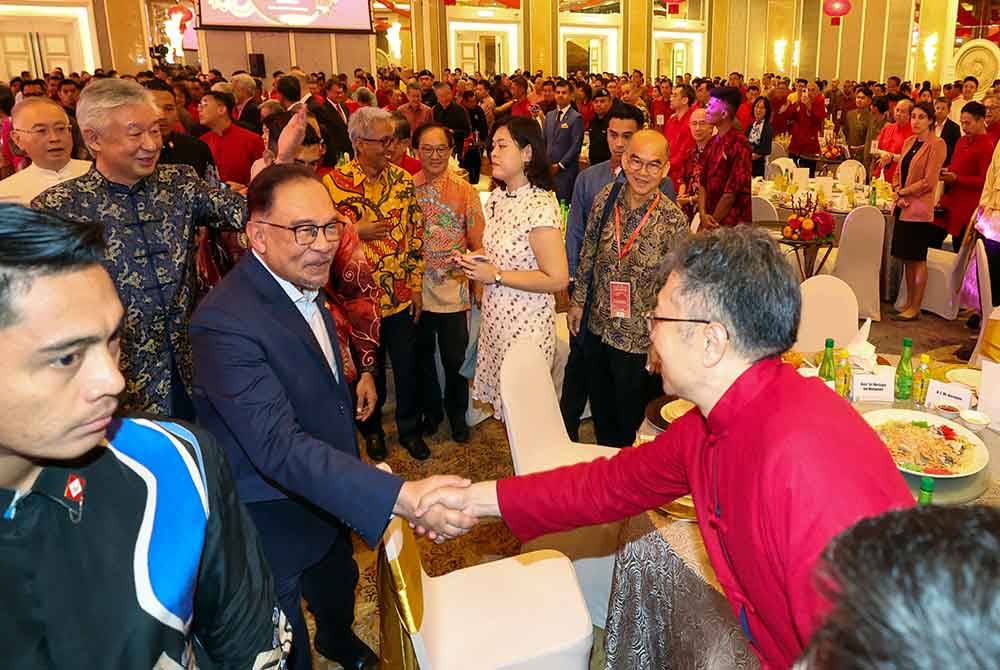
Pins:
x,y
879,387
957,395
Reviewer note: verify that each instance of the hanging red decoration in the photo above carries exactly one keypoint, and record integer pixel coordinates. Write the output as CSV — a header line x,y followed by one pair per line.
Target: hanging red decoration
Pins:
x,y
673,8
835,9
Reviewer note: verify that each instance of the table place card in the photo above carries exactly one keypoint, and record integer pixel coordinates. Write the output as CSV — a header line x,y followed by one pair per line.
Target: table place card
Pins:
x,y
879,387
989,391
941,393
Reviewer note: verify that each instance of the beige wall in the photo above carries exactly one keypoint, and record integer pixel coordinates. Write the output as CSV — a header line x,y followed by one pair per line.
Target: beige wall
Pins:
x,y
541,35
228,49
129,43
637,19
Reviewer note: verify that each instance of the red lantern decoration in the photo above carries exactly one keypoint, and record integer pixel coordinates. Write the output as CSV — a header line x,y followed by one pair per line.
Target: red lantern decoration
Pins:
x,y
673,8
835,9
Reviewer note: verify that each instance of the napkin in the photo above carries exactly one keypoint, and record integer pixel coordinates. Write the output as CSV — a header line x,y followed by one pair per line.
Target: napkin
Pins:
x,y
861,352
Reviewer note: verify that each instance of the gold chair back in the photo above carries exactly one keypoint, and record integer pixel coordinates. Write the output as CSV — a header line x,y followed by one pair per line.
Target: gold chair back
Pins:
x,y
400,598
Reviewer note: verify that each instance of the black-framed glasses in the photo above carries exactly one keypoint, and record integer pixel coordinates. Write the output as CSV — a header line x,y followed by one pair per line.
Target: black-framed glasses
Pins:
x,y
650,318
384,141
306,234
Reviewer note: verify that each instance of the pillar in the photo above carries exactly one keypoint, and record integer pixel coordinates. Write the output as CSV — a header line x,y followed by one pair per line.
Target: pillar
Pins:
x,y
429,26
637,35
128,44
540,26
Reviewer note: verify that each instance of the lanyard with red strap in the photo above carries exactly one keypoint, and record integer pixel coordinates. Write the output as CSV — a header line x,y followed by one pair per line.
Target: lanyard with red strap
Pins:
x,y
622,253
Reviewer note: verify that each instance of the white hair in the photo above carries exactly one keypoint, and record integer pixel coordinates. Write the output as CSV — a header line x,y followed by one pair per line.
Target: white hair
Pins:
x,y
223,87
362,120
101,97
244,83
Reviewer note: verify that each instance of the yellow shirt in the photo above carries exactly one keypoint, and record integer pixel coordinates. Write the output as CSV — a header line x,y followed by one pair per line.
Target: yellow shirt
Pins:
x,y
397,260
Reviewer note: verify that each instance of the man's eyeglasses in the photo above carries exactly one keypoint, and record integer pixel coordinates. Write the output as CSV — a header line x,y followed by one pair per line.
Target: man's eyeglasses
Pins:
x,y
442,150
651,318
307,234
384,141
651,167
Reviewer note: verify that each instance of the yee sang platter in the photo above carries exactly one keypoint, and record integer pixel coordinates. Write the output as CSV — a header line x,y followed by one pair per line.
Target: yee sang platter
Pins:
x,y
927,445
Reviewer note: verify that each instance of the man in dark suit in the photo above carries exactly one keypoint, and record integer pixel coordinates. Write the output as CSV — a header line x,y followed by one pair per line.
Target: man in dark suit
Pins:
x,y
247,114
340,142
563,130
269,385
945,128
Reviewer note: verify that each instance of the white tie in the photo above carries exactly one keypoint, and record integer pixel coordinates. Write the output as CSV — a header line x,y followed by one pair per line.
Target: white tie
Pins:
x,y
322,336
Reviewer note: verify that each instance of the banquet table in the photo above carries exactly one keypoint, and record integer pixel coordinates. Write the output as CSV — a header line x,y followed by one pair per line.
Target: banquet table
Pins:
x,y
667,609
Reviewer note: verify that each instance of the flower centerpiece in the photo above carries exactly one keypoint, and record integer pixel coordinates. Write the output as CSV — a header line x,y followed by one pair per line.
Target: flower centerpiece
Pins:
x,y
809,223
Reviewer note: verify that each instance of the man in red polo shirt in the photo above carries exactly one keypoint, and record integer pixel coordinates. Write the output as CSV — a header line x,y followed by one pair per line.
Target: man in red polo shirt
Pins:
x,y
772,484
804,119
660,107
965,176
234,148
678,129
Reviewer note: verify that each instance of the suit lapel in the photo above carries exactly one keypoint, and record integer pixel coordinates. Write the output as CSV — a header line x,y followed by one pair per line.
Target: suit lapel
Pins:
x,y
286,313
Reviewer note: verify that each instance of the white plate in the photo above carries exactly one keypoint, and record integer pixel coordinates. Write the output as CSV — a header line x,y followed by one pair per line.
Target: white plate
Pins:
x,y
980,460
965,376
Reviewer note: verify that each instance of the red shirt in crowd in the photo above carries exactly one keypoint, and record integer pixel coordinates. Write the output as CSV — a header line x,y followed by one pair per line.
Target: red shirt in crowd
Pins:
x,y
726,167
993,131
745,114
586,110
970,162
234,151
410,164
680,140
659,114
805,123
781,466
383,97
891,139
521,108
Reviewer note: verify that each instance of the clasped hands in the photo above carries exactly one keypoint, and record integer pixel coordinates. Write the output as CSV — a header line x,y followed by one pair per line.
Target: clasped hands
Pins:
x,y
441,506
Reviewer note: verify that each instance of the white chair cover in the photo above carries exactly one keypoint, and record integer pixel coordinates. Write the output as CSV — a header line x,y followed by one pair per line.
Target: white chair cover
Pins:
x,y
985,298
538,441
945,272
858,258
695,223
777,151
762,209
829,309
779,164
851,171
525,612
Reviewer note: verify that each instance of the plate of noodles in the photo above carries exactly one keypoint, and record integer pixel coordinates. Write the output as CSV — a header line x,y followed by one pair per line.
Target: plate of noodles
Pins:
x,y
927,445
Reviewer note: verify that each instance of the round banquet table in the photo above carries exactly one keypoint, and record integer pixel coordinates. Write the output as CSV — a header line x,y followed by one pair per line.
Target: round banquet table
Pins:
x,y
667,609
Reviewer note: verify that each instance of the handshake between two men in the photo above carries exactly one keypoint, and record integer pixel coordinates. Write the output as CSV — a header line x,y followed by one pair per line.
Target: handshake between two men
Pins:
x,y
444,507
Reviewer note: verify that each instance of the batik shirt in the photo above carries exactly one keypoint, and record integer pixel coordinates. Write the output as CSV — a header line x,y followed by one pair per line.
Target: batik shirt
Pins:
x,y
396,260
726,169
150,244
452,211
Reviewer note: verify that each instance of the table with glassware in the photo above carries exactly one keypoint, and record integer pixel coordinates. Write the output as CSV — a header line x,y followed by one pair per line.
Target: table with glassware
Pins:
x,y
838,199
667,609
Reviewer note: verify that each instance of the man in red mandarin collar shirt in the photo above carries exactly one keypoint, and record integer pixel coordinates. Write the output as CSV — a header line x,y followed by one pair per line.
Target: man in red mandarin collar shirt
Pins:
x,y
234,148
777,464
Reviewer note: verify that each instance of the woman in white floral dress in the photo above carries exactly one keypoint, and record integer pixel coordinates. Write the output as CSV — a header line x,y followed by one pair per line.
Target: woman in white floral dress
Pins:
x,y
525,255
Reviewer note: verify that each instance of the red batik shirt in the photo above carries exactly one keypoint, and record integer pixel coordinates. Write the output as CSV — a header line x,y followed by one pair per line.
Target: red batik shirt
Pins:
x,y
726,168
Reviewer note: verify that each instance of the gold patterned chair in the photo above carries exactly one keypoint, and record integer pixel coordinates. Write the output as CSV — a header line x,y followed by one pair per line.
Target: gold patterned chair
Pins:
x,y
520,613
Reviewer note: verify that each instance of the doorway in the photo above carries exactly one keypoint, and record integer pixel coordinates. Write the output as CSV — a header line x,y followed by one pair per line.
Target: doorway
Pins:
x,y
39,47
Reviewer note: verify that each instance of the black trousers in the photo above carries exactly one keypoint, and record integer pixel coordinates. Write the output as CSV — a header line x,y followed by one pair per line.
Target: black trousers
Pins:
x,y
805,163
473,163
304,565
399,342
450,333
619,388
574,389
993,260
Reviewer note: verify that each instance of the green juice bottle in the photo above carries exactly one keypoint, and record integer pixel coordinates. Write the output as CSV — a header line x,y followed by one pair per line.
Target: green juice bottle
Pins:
x,y
904,371
827,370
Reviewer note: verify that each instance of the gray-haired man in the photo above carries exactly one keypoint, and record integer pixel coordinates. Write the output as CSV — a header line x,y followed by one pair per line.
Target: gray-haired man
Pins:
x,y
380,198
149,212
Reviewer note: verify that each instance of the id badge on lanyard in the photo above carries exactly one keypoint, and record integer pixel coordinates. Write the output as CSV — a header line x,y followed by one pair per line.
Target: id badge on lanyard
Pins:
x,y
621,291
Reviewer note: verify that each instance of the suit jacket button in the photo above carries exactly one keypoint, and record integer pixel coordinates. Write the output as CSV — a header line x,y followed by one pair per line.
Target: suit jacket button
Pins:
x,y
341,407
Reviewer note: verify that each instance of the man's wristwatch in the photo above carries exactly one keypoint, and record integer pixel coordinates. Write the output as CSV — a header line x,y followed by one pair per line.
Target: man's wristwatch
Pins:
x,y
498,278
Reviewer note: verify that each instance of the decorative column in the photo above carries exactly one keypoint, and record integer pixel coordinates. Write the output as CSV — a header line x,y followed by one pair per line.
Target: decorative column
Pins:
x,y
540,26
129,40
429,25
637,35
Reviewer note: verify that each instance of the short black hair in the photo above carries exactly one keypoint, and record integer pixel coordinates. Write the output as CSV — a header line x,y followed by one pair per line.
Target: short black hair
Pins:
x,y
880,103
895,79
275,123
431,125
260,193
687,91
38,243
730,95
6,99
527,132
289,87
738,277
864,90
927,108
627,112
976,109
69,82
767,108
158,84
226,99
972,79
925,574
400,126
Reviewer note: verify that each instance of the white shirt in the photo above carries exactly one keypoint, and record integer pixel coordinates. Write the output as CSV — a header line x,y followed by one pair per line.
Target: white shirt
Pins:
x,y
305,302
22,187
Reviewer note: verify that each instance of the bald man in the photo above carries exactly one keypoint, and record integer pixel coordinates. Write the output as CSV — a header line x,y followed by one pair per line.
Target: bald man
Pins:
x,y
43,130
619,258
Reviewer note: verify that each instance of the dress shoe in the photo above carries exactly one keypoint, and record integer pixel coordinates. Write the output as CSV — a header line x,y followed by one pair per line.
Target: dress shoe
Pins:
x,y
903,317
417,447
460,432
351,653
375,446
